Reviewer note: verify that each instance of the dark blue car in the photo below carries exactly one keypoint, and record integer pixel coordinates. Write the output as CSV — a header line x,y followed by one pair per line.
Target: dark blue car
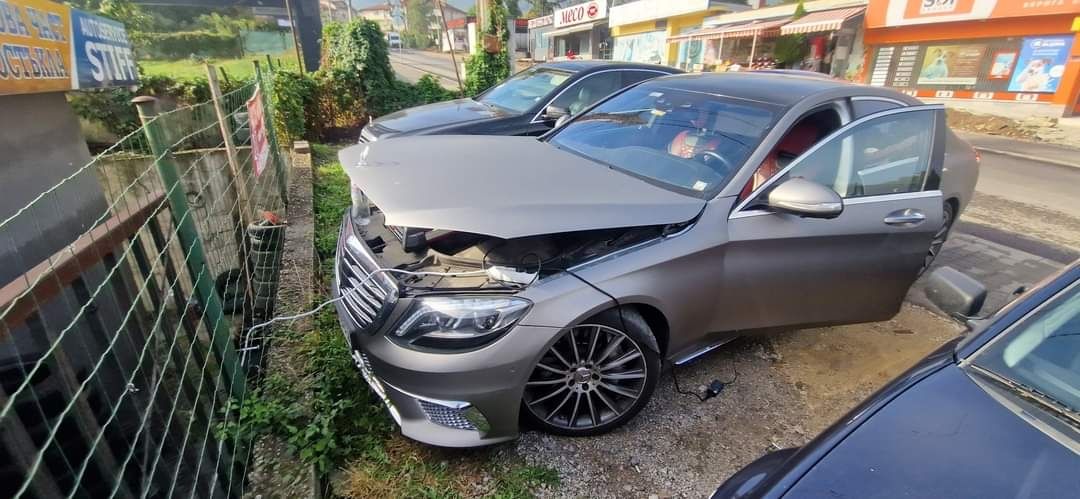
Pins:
x,y
995,413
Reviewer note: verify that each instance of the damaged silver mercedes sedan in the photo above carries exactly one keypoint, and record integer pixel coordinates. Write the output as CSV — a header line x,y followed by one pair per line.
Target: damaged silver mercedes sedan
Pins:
x,y
484,282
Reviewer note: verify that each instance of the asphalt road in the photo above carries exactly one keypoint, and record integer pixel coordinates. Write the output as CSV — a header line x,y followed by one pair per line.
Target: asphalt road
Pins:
x,y
411,64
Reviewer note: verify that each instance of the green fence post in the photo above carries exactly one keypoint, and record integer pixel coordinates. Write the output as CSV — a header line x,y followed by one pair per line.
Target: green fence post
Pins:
x,y
188,236
271,135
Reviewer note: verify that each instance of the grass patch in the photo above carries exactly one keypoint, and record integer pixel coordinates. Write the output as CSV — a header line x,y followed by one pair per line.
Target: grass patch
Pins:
x,y
240,68
336,424
386,464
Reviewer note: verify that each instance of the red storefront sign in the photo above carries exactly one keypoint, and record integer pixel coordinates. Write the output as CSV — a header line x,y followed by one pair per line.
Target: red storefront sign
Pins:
x,y
581,13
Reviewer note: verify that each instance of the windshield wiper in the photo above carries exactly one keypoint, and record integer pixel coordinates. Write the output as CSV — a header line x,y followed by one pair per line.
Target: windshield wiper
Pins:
x,y
1028,392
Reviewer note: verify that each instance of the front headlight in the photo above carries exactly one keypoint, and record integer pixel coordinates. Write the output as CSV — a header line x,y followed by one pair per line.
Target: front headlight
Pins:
x,y
458,322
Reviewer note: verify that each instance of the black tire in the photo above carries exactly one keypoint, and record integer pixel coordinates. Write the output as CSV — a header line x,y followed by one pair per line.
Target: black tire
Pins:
x,y
948,213
605,390
231,288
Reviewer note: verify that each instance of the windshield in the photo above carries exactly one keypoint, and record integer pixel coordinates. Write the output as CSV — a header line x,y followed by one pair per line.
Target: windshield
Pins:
x,y
688,140
1043,352
525,89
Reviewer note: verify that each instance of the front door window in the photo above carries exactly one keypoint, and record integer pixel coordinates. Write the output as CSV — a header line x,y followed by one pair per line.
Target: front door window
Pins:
x,y
888,154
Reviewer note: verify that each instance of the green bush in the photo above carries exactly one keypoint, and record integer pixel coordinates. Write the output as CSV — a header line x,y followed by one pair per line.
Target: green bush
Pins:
x,y
484,70
358,58
292,95
112,107
187,43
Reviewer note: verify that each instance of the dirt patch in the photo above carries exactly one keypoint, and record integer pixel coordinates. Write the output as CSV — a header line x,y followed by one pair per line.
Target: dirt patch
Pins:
x,y
835,367
790,387
991,125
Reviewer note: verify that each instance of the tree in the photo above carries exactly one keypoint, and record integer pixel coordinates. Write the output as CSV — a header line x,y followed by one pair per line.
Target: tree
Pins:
x,y
800,11
539,8
418,17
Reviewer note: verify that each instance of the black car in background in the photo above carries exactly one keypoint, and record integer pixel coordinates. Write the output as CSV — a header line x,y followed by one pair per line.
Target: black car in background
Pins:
x,y
528,103
994,413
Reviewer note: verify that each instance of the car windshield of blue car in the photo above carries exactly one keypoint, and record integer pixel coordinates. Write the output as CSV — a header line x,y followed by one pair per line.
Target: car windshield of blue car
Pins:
x,y
524,90
1043,352
689,141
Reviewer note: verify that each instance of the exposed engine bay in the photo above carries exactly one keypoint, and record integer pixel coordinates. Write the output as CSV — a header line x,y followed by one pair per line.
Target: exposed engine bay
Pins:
x,y
510,263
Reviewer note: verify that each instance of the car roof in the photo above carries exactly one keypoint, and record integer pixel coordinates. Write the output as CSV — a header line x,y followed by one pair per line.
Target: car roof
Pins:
x,y
782,88
589,65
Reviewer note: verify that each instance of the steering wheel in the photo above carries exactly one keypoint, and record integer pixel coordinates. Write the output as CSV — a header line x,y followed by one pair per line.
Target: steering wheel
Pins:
x,y
710,158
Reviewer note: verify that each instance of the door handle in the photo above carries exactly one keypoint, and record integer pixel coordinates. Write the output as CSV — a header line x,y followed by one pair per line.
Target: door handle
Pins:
x,y
905,218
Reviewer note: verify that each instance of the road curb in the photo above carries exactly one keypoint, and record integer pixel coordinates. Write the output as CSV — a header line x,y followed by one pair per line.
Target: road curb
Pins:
x,y
1028,157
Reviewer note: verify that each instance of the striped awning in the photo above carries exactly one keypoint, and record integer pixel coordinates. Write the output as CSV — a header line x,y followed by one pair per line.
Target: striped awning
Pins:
x,y
825,20
761,29
697,34
755,28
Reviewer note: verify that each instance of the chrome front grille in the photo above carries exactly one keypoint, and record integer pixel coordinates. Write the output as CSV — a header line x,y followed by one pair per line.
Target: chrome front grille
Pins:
x,y
364,297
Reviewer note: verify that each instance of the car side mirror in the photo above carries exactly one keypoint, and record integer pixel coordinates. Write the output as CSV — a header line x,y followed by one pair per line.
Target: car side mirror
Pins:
x,y
805,198
555,113
955,293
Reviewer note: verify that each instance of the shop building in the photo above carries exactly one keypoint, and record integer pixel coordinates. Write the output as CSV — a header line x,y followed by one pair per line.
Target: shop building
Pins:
x,y
831,29
641,29
539,42
1012,50
580,32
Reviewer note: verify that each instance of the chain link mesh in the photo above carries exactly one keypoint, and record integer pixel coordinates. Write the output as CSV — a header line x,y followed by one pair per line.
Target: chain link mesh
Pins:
x,y
116,362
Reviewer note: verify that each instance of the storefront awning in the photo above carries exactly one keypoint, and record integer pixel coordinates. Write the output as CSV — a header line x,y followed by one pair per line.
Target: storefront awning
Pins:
x,y
738,30
572,29
826,20
698,34
755,28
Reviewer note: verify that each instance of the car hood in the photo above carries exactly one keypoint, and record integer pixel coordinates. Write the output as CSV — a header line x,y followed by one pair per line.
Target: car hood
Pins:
x,y
435,115
947,436
505,187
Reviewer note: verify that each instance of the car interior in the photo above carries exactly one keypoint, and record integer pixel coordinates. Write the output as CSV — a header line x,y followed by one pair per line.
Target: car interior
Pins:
x,y
799,139
682,139
866,160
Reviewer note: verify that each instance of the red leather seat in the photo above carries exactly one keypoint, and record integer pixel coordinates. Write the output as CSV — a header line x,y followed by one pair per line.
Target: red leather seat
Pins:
x,y
797,141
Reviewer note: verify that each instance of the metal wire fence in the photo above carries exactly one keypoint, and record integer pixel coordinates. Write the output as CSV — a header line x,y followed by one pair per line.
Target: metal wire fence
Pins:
x,y
120,328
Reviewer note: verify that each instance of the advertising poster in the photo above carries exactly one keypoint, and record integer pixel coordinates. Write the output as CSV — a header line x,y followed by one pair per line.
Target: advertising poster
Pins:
x,y
35,51
103,55
951,64
260,145
1041,64
1003,63
644,47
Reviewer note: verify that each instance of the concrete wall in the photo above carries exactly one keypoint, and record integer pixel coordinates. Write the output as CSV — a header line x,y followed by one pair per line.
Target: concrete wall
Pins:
x,y
40,145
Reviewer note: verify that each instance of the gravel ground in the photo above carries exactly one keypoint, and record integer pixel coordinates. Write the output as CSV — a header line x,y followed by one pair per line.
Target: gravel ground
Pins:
x,y
790,387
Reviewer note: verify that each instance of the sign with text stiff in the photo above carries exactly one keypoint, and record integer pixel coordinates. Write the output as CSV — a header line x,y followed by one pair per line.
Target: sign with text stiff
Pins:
x,y
260,146
35,50
50,47
103,55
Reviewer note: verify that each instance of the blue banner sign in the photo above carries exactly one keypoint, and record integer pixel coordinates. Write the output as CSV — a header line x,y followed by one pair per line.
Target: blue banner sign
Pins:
x,y
103,54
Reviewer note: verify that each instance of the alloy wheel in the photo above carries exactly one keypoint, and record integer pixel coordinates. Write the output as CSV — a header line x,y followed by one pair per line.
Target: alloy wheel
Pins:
x,y
590,376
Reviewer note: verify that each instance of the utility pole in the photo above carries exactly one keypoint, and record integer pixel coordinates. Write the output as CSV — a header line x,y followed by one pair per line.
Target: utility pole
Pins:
x,y
296,39
450,40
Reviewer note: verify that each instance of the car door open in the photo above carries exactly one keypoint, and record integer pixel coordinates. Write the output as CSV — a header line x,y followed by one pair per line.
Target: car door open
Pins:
x,y
803,260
